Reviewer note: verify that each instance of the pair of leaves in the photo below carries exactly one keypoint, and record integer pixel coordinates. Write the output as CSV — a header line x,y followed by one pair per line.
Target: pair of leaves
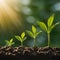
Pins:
x,y
21,38
34,32
9,42
49,26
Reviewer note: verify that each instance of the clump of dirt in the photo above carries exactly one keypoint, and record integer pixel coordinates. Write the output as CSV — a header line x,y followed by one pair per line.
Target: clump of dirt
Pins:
x,y
29,53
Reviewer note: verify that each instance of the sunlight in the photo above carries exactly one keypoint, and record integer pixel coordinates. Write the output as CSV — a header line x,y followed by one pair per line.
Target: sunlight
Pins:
x,y
1,1
9,18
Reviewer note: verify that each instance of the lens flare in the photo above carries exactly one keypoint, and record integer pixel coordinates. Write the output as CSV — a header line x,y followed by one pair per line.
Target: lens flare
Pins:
x,y
9,16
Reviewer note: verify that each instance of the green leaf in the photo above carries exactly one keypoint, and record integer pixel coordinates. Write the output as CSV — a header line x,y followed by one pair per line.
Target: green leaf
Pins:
x,y
23,35
57,23
7,42
33,29
30,34
50,21
42,25
25,38
13,43
11,40
18,38
54,26
38,33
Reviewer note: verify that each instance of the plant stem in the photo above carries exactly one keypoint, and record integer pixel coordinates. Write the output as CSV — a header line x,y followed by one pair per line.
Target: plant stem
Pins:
x,y
34,43
48,39
22,44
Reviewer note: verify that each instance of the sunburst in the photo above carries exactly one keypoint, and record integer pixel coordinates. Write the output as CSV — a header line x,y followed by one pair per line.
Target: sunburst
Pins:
x,y
9,18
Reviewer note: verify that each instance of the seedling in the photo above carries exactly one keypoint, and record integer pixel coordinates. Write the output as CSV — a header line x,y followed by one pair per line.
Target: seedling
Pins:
x,y
9,42
34,34
49,27
21,38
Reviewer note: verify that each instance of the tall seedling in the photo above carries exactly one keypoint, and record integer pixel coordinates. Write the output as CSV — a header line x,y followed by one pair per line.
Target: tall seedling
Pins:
x,y
33,34
21,38
49,27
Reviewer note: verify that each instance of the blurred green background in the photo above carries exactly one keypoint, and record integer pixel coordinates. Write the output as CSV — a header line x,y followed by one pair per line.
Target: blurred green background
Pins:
x,y
31,11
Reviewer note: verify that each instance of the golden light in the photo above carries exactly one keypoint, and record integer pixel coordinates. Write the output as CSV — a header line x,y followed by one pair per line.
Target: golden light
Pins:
x,y
9,17
1,1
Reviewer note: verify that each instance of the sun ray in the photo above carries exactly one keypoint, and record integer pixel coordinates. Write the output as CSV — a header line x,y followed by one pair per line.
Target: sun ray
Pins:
x,y
9,18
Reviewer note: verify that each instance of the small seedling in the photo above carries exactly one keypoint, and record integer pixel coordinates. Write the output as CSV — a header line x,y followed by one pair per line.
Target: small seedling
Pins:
x,y
9,42
49,27
34,34
21,38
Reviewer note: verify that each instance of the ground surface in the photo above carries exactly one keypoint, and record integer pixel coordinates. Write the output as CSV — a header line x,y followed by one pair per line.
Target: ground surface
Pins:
x,y
29,53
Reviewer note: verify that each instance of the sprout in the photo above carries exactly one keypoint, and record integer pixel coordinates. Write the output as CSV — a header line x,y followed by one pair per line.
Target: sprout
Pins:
x,y
9,42
21,38
33,34
49,27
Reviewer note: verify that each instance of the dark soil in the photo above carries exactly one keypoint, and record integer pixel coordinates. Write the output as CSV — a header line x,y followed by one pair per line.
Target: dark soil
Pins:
x,y
29,53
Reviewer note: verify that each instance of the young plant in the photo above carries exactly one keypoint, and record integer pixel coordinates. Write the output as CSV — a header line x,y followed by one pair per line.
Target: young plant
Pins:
x,y
21,38
34,34
9,42
49,27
